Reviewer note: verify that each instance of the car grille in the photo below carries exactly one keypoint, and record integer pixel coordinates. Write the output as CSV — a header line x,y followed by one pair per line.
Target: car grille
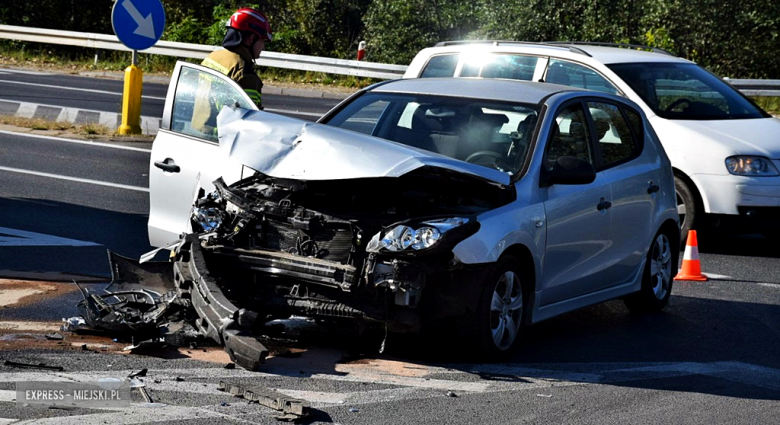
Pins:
x,y
331,242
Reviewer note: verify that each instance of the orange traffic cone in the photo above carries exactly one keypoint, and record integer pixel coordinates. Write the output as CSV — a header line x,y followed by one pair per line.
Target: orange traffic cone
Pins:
x,y
691,268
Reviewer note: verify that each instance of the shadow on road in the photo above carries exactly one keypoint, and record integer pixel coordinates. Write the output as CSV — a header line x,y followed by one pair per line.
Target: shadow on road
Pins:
x,y
121,232
746,245
687,348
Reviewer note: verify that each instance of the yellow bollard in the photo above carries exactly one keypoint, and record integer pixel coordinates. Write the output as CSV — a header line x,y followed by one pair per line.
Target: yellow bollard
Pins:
x,y
131,101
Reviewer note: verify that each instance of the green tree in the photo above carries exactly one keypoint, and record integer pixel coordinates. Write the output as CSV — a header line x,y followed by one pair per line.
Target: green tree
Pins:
x,y
396,30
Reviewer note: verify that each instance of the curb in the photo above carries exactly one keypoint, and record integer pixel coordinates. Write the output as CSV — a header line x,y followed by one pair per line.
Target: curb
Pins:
x,y
149,125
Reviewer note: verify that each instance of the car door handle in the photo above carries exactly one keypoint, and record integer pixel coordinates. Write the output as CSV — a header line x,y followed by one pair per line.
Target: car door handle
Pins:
x,y
167,165
653,188
603,205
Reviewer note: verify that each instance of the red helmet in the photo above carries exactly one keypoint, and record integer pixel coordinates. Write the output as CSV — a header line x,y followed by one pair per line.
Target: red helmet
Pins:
x,y
247,19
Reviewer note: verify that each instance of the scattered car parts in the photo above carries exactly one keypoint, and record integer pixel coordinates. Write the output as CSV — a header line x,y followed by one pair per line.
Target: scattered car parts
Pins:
x,y
291,409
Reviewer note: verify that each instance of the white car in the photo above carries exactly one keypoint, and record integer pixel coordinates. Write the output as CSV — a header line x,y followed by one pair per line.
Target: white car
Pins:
x,y
413,202
725,150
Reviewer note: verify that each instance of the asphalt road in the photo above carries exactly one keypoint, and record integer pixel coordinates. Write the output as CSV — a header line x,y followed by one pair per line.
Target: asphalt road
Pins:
x,y
55,91
710,358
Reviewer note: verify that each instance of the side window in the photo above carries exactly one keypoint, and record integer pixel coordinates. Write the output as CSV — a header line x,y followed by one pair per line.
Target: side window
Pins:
x,y
570,136
636,123
572,74
514,67
615,139
199,98
440,66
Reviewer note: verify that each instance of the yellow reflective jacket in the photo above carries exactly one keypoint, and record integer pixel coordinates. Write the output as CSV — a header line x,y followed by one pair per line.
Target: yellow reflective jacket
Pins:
x,y
239,66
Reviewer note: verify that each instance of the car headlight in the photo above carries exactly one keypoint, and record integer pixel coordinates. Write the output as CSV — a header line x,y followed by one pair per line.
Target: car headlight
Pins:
x,y
751,166
209,219
414,237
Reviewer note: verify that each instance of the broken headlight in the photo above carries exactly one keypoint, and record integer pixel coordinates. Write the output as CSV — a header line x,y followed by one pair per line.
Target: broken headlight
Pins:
x,y
416,237
209,219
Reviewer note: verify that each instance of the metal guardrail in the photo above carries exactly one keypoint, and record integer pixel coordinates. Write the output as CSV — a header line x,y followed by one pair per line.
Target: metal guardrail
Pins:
x,y
277,60
199,51
756,87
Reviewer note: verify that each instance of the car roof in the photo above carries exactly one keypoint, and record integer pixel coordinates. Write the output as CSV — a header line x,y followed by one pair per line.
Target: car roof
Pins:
x,y
602,53
477,88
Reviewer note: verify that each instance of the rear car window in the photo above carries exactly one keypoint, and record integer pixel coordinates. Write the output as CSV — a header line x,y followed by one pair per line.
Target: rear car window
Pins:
x,y
575,75
514,67
440,66
617,143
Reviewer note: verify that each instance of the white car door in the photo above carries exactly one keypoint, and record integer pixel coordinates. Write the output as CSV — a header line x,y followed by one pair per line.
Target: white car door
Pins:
x,y
185,154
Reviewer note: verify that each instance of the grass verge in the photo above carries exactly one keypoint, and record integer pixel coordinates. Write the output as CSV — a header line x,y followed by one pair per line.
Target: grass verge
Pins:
x,y
768,103
86,131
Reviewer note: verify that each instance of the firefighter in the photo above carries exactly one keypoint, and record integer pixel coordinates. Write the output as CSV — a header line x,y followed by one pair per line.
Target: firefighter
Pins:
x,y
248,31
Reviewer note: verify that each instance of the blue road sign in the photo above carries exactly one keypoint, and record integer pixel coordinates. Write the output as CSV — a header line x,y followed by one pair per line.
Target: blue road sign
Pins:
x,y
138,23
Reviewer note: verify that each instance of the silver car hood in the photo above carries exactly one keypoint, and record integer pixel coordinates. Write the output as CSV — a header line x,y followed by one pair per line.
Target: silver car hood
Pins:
x,y
290,148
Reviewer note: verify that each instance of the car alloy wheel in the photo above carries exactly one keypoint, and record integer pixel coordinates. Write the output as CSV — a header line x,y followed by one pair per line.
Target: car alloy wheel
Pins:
x,y
506,310
658,276
661,266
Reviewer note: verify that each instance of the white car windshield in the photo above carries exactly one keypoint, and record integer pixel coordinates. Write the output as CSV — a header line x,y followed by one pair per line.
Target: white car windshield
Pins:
x,y
685,91
484,132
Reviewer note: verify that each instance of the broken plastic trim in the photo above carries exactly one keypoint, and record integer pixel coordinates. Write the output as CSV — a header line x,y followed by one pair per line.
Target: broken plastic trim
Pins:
x,y
219,319
170,245
291,409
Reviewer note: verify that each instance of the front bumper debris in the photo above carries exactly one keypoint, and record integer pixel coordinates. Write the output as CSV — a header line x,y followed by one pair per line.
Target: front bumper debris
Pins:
x,y
219,319
137,305
143,302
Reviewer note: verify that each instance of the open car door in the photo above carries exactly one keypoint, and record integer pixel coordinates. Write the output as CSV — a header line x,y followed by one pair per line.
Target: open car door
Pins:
x,y
185,154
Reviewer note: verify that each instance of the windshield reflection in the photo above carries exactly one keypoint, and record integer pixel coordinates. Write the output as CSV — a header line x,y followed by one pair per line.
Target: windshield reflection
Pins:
x,y
487,133
684,91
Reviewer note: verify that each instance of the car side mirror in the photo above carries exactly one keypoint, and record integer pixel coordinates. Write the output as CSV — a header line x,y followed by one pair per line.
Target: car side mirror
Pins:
x,y
570,170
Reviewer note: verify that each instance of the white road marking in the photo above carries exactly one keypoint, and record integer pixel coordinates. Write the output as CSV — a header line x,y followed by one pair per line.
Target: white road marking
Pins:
x,y
437,384
79,142
21,71
75,179
136,414
14,237
718,276
501,378
7,395
771,285
51,86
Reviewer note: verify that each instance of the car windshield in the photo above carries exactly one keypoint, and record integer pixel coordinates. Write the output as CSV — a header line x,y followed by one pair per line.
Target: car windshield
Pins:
x,y
484,132
685,91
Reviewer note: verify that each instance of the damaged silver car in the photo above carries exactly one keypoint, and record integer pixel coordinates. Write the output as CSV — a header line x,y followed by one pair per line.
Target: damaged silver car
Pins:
x,y
413,202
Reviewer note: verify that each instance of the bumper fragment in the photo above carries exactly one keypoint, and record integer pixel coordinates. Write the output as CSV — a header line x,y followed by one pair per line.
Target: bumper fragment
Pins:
x,y
219,319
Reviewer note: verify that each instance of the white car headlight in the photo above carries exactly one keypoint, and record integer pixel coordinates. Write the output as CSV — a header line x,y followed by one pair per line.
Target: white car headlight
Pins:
x,y
422,236
751,166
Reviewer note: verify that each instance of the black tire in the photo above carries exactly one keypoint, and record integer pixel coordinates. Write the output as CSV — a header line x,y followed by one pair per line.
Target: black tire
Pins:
x,y
496,324
688,207
658,276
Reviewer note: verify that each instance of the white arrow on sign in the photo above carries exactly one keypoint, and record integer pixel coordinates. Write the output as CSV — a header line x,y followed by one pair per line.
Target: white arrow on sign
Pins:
x,y
14,237
145,25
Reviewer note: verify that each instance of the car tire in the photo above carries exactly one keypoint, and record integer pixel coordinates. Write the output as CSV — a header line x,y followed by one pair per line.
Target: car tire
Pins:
x,y
496,324
658,276
688,207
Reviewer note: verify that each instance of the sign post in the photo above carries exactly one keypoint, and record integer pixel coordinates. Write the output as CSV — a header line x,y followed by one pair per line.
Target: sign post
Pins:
x,y
138,24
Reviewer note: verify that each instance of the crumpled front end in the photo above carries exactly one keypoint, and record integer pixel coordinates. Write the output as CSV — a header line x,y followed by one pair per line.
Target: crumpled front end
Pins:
x,y
373,251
